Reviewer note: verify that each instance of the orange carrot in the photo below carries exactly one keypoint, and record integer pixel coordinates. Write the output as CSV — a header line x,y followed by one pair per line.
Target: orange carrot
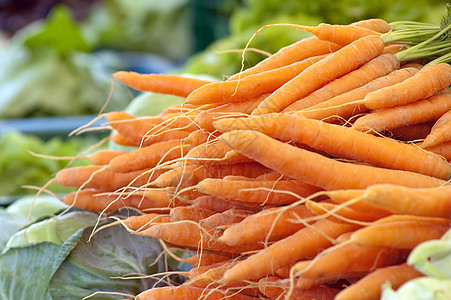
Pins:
x,y
198,137
343,196
251,86
440,132
193,213
345,106
205,119
98,177
339,34
276,288
395,48
193,174
310,167
370,286
411,132
220,205
337,214
215,153
205,259
298,51
375,68
104,156
273,224
225,218
249,191
425,110
330,138
189,235
441,149
119,139
376,24
89,199
188,292
143,222
346,259
149,156
427,82
333,66
401,235
160,83
302,244
137,130
434,202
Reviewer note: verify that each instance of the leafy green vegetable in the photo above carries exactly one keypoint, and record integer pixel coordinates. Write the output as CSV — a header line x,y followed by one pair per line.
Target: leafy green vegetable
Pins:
x,y
19,167
422,288
19,214
433,259
46,73
55,260
54,33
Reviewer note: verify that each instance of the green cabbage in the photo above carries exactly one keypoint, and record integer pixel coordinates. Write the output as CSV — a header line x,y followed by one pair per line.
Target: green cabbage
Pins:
x,y
54,259
433,259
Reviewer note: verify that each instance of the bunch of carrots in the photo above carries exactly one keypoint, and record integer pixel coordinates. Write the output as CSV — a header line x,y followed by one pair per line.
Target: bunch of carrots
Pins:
x,y
311,175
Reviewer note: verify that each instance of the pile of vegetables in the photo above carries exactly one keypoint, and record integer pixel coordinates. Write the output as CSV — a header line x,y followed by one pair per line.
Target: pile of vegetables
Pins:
x,y
311,175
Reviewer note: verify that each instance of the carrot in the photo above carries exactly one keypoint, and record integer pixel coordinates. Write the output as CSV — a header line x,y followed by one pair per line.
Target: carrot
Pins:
x,y
421,111
427,82
215,153
160,83
441,149
310,167
345,106
359,146
247,192
97,177
276,288
337,214
395,48
198,137
370,286
98,201
143,222
188,292
189,235
225,218
411,132
375,68
400,235
220,205
148,157
273,224
302,244
136,130
193,174
205,119
208,277
251,86
434,202
346,259
104,156
333,66
193,213
164,197
180,108
205,259
339,34
298,51
344,196
376,24
308,283
440,132
119,139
